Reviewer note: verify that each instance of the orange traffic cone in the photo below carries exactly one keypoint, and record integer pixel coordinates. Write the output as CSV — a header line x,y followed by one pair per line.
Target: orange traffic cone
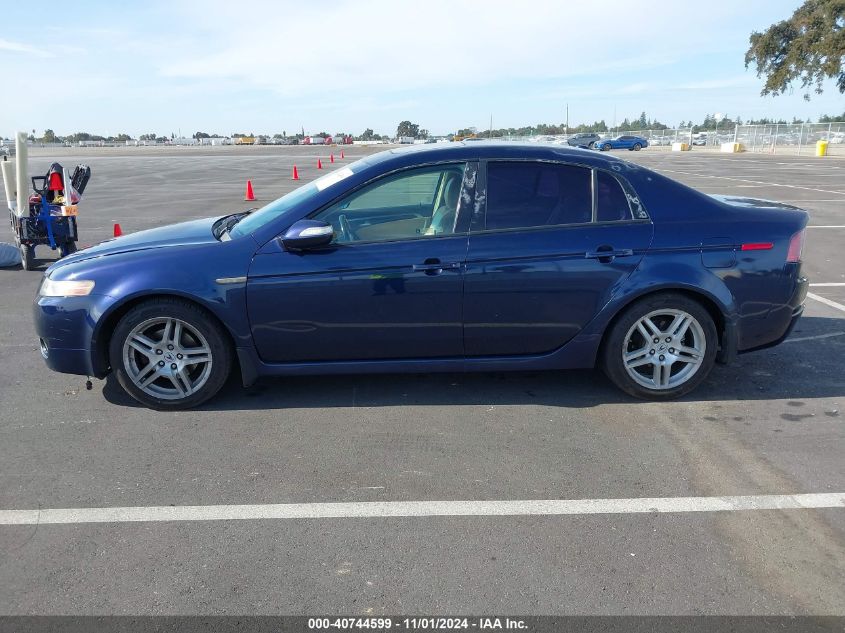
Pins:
x,y
341,154
250,196
117,230
319,164
295,174
331,158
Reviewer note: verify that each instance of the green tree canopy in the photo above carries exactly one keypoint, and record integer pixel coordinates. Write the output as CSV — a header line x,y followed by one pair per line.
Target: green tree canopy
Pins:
x,y
406,128
808,47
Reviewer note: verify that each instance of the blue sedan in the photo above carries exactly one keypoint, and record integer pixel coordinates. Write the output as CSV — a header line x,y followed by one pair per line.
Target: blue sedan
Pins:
x,y
466,257
623,141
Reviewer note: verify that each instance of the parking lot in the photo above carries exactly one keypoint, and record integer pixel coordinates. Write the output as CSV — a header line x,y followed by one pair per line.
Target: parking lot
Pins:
x,y
772,423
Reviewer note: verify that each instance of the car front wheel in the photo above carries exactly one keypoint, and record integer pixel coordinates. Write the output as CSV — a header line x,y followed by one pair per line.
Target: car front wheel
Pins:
x,y
637,147
661,347
605,147
169,354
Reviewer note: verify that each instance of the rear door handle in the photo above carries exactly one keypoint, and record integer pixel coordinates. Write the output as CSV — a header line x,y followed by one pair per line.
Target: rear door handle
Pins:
x,y
435,266
606,254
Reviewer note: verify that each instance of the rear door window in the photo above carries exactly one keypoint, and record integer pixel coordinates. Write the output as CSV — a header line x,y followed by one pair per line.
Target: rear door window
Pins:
x,y
535,194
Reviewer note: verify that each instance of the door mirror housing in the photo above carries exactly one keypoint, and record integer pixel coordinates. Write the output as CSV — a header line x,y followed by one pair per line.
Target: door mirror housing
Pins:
x,y
305,234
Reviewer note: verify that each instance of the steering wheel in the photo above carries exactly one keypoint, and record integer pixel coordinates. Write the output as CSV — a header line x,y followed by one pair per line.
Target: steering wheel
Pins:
x,y
346,233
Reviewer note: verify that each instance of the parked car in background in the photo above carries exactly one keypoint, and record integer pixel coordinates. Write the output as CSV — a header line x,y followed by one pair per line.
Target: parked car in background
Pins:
x,y
623,141
461,257
583,139
7,150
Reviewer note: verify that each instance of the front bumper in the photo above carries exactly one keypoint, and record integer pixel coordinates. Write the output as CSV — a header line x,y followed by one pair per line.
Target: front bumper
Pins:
x,y
65,328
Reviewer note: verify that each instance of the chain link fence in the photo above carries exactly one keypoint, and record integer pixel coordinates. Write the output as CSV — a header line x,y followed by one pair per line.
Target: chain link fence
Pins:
x,y
798,138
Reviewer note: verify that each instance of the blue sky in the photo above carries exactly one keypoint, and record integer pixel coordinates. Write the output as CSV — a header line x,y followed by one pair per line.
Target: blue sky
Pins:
x,y
340,65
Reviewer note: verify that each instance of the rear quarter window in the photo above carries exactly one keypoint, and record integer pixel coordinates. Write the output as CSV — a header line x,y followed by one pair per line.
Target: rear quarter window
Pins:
x,y
612,203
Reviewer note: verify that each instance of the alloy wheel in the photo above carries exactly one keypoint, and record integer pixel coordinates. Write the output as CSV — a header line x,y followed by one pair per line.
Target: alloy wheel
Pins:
x,y
664,349
167,358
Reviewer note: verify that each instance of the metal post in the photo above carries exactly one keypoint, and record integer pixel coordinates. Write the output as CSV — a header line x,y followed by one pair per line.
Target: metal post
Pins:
x,y
754,141
829,130
800,138
775,138
736,131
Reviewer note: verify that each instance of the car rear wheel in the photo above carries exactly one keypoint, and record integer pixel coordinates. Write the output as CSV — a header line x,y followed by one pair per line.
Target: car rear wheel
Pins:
x,y
661,347
170,354
637,147
605,147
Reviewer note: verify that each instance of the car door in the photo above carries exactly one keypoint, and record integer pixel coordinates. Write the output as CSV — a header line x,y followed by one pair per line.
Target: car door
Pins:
x,y
554,242
388,286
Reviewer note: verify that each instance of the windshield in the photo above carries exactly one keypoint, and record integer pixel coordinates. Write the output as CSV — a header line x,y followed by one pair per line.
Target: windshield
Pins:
x,y
289,201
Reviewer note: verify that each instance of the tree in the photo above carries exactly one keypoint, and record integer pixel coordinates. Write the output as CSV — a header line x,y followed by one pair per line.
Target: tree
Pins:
x,y
49,136
808,47
826,118
199,135
367,135
406,128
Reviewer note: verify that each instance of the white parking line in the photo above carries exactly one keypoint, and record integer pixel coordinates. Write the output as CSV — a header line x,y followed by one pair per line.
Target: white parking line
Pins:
x,y
826,301
832,284
813,338
826,226
384,509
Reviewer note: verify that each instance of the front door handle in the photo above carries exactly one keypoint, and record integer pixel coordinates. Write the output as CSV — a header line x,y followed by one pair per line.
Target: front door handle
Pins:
x,y
605,254
434,266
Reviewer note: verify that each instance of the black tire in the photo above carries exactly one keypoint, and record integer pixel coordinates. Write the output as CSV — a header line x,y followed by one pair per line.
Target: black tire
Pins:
x,y
27,257
637,147
591,145
195,317
68,248
615,346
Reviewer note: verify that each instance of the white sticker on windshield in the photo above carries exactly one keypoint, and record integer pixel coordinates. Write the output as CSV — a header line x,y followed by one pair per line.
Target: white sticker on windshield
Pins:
x,y
333,178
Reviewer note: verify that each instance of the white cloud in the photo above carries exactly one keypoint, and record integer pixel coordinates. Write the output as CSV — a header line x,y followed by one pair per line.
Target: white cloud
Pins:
x,y
26,49
385,45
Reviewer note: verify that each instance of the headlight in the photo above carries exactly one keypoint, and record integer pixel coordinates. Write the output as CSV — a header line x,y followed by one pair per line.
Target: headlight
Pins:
x,y
70,288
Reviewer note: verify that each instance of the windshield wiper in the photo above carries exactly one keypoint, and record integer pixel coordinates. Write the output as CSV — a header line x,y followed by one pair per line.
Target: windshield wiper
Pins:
x,y
225,224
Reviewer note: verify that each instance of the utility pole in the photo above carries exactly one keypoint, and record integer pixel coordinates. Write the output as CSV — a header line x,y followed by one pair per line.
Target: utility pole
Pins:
x,y
566,127
490,134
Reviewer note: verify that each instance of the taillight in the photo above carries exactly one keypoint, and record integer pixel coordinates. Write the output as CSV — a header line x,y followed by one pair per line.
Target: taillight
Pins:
x,y
796,246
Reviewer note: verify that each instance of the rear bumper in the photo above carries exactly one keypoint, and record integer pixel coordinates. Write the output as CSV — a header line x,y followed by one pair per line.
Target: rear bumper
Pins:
x,y
790,326
781,320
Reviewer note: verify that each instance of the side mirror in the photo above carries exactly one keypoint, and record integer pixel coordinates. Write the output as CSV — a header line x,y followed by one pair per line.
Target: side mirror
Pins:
x,y
305,234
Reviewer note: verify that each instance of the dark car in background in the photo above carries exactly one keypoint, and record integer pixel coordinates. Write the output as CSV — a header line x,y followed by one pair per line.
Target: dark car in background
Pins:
x,y
623,141
460,257
583,139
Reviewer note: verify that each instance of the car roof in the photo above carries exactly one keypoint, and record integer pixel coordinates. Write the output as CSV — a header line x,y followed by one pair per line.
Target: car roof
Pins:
x,y
491,149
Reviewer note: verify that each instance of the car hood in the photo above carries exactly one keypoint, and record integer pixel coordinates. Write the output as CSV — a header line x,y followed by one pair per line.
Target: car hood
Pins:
x,y
182,234
744,202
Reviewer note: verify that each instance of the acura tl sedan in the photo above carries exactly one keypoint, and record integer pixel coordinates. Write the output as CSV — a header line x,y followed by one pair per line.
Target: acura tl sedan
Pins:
x,y
465,257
